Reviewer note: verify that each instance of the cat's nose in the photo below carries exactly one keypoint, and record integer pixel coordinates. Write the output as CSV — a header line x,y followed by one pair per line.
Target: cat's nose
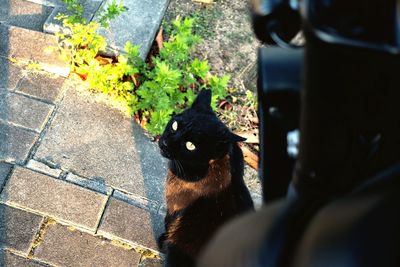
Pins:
x,y
162,143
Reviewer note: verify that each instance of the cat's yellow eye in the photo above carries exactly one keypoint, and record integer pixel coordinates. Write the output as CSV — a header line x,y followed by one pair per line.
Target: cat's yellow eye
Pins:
x,y
190,146
175,125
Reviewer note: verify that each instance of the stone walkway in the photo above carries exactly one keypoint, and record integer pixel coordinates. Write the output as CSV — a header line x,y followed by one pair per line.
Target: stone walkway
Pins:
x,y
80,184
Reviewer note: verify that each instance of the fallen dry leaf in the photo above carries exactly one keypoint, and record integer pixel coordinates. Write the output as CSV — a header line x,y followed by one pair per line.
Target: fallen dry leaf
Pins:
x,y
249,157
160,39
251,136
103,60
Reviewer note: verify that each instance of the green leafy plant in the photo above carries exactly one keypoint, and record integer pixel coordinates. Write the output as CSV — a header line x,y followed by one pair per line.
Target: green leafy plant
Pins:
x,y
151,91
81,45
172,84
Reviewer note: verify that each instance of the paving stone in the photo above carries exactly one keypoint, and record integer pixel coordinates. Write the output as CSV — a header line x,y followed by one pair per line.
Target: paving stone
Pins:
x,y
24,14
4,171
41,167
26,45
15,142
98,142
53,197
142,18
149,262
63,247
17,228
131,223
10,74
42,86
137,201
53,25
23,111
93,184
8,259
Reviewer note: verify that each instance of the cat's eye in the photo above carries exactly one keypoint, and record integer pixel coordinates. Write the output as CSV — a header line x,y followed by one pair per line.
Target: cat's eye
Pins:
x,y
175,125
190,146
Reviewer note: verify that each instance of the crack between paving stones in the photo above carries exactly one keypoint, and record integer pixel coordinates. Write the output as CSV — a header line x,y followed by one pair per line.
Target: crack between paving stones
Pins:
x,y
63,175
22,255
143,257
48,164
47,102
39,237
2,186
42,134
105,206
137,200
58,220
128,245
18,126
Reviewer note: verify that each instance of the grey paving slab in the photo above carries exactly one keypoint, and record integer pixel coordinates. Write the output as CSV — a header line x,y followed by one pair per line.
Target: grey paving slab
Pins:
x,y
5,169
42,86
24,111
53,25
15,142
98,142
27,45
17,228
149,262
63,247
8,259
139,24
10,74
53,197
24,14
137,201
131,223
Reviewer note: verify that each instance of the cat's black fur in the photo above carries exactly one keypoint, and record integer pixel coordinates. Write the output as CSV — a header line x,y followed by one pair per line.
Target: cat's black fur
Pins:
x,y
204,187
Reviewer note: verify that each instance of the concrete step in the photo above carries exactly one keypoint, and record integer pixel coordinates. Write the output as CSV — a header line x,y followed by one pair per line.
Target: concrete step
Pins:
x,y
139,24
52,25
24,14
31,46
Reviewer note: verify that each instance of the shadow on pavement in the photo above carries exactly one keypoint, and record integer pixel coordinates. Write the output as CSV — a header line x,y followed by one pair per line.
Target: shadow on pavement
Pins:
x,y
154,169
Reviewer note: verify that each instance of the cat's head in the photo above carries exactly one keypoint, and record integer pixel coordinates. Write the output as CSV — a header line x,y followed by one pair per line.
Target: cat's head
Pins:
x,y
196,134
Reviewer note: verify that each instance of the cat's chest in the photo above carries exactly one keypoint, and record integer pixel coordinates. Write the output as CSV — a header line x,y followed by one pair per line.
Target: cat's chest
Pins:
x,y
180,193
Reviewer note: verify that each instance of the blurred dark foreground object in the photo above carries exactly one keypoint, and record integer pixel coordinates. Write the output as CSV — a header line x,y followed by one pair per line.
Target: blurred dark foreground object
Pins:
x,y
343,203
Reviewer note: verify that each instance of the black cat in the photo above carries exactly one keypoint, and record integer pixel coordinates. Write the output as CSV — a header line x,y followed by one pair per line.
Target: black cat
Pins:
x,y
204,187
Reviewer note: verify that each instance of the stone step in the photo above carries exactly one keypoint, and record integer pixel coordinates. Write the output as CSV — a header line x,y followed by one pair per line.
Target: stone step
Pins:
x,y
139,24
52,25
31,46
24,14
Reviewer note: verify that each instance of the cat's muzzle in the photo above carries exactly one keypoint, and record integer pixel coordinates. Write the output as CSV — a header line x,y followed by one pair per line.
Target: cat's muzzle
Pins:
x,y
164,149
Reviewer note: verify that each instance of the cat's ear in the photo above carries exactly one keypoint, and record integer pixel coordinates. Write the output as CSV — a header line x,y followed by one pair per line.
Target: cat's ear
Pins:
x,y
203,100
236,138
232,138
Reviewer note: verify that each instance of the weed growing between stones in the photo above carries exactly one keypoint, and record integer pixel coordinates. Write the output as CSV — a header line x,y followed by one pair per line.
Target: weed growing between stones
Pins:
x,y
151,91
39,237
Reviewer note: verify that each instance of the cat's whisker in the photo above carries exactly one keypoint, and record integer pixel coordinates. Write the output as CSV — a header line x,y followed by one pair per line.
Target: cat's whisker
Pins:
x,y
180,168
